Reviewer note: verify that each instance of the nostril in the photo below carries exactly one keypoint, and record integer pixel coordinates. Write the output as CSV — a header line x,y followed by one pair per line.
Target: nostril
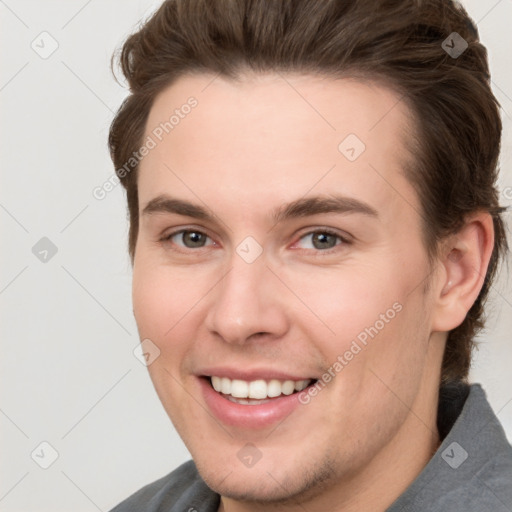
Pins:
x,y
258,334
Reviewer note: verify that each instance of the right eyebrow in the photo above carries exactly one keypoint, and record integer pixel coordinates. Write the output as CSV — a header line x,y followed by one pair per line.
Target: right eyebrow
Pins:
x,y
166,204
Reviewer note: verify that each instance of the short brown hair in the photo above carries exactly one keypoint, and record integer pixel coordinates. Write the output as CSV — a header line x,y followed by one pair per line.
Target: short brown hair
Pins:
x,y
458,126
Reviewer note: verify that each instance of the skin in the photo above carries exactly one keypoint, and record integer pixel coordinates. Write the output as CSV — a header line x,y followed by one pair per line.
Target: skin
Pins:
x,y
248,148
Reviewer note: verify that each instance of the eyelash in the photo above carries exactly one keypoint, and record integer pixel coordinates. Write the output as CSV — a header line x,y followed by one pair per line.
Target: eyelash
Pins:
x,y
324,231
327,231
167,238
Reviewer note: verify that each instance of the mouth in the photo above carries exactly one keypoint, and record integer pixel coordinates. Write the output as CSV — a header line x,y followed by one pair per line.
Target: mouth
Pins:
x,y
256,392
254,398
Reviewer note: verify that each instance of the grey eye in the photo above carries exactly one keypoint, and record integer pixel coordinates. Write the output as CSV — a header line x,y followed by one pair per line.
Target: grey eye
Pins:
x,y
190,239
319,240
324,240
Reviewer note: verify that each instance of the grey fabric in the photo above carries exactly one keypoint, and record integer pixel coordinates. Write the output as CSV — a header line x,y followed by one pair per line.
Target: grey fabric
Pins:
x,y
471,472
182,490
482,482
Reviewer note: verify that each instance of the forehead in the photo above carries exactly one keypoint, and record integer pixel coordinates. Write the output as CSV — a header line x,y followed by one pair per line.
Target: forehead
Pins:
x,y
277,135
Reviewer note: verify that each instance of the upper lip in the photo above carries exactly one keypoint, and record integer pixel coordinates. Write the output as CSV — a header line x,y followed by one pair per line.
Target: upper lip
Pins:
x,y
253,374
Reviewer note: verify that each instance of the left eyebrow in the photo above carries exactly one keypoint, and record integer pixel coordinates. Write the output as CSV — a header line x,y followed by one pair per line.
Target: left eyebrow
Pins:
x,y
308,206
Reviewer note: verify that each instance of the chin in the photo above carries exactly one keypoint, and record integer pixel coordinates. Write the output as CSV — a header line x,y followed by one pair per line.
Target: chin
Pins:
x,y
278,486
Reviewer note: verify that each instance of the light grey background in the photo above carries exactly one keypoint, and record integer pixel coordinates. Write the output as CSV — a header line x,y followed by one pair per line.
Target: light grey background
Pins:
x,y
69,376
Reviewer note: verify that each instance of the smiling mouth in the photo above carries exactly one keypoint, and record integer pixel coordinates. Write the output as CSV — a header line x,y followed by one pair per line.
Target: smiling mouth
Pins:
x,y
256,392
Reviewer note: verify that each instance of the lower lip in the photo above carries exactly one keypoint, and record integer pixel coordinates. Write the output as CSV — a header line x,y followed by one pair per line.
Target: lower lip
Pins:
x,y
248,416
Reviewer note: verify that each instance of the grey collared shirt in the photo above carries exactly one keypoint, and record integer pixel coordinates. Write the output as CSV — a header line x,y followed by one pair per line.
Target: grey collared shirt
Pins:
x,y
470,472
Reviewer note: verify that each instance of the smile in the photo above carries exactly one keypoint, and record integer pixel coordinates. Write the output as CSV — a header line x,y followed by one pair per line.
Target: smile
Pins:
x,y
256,392
260,400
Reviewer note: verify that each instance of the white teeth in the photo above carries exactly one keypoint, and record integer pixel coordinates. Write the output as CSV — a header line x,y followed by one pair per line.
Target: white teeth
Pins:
x,y
301,384
216,383
239,388
247,401
226,386
256,389
273,388
288,387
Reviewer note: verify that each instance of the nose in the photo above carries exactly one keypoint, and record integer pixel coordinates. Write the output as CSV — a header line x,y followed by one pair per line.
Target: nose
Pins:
x,y
247,304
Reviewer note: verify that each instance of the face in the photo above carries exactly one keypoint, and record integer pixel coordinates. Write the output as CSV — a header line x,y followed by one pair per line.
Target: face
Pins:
x,y
279,269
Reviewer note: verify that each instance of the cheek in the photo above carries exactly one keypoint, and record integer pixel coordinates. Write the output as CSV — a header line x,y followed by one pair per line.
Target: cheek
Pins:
x,y
348,300
151,301
161,300
369,317
166,312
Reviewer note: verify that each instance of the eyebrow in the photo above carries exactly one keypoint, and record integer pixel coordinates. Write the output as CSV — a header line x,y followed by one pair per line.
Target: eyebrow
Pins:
x,y
166,204
308,206
303,207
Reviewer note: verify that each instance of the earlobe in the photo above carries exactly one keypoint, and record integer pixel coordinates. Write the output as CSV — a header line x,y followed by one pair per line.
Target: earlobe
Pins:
x,y
464,263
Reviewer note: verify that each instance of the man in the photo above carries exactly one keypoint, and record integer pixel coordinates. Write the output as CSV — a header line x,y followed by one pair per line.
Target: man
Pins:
x,y
314,227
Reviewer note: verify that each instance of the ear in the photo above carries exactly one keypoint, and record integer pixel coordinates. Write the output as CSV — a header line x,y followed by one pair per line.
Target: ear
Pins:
x,y
463,265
